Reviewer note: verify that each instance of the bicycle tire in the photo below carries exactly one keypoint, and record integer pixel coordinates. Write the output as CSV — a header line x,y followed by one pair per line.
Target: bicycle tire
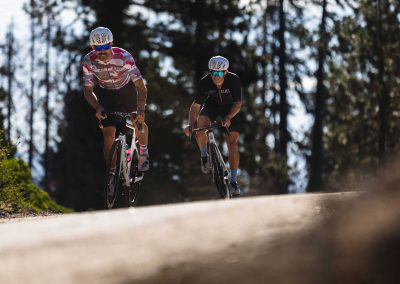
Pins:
x,y
113,181
134,189
218,173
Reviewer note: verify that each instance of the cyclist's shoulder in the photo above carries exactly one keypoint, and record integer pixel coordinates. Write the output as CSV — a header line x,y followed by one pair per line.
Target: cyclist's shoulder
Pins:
x,y
89,57
206,80
232,80
120,51
232,76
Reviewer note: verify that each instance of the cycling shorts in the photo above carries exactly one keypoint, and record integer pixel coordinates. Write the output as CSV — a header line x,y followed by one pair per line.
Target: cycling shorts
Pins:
x,y
214,112
123,99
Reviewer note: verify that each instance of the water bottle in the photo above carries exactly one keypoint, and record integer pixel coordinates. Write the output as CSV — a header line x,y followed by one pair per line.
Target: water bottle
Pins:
x,y
128,153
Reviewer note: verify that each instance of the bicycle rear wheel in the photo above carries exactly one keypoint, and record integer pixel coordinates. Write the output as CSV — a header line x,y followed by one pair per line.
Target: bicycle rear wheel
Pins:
x,y
136,178
218,172
113,181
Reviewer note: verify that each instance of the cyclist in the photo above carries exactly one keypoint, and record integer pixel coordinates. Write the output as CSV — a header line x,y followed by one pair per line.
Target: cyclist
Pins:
x,y
219,94
121,88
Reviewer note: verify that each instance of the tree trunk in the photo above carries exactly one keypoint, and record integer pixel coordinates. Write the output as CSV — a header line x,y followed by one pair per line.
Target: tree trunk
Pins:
x,y
316,161
32,95
10,75
46,103
199,39
283,105
384,99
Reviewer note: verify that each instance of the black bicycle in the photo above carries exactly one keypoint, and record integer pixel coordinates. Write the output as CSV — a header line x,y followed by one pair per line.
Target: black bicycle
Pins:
x,y
219,169
123,178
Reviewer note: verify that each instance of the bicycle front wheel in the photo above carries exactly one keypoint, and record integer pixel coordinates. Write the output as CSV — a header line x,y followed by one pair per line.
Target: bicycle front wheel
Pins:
x,y
113,184
136,178
218,172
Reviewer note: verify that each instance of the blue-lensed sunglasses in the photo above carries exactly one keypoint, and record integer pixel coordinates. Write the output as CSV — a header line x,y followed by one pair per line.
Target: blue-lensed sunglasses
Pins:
x,y
217,73
102,47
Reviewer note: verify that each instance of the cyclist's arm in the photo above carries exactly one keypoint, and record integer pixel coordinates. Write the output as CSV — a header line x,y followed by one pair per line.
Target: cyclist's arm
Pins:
x,y
234,110
142,95
194,113
237,100
91,97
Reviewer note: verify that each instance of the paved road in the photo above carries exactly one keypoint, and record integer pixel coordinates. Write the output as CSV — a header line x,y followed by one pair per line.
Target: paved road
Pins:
x,y
198,242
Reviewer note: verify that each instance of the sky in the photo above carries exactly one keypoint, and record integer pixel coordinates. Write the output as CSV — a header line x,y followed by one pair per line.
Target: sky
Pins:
x,y
12,9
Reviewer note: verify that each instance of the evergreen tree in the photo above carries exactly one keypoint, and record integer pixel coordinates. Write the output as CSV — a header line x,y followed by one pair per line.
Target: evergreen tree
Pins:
x,y
362,128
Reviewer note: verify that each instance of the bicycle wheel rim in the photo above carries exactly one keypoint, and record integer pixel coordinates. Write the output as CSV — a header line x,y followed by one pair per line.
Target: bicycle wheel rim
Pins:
x,y
113,181
218,173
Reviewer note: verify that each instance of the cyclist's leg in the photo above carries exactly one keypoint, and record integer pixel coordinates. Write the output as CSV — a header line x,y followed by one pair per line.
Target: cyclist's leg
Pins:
x,y
128,100
108,138
233,154
143,137
106,99
205,117
232,143
201,138
233,149
208,113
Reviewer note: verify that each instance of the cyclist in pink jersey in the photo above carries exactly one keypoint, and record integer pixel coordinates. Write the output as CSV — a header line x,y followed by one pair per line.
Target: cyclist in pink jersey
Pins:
x,y
120,88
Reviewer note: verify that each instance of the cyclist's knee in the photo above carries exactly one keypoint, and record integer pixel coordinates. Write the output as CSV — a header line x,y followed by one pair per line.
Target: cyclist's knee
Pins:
x,y
109,132
232,139
203,121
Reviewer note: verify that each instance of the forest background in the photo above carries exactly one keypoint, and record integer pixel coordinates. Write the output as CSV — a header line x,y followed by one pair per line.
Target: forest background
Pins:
x,y
335,59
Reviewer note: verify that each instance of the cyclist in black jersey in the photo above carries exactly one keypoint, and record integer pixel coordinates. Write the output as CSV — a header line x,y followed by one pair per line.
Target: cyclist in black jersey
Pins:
x,y
219,95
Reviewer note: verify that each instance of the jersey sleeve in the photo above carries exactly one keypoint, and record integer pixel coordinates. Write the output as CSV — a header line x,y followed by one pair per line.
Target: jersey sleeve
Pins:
x,y
237,91
130,66
88,78
201,93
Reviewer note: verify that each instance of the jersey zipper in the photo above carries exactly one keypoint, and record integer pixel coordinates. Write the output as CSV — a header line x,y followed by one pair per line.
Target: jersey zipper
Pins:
x,y
219,92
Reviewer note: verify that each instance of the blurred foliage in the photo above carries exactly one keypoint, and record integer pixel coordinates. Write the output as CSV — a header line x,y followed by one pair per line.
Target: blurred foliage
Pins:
x,y
17,192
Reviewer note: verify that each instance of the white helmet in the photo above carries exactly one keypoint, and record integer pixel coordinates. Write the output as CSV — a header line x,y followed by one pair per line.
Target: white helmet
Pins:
x,y
100,36
218,63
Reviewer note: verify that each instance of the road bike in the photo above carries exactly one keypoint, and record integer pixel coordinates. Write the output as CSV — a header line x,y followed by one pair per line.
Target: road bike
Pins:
x,y
123,178
219,169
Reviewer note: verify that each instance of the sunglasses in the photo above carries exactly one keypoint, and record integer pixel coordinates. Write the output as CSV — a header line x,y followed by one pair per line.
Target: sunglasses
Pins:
x,y
102,47
217,73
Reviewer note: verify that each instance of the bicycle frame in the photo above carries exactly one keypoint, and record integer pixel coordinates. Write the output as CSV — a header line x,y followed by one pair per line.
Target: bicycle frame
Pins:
x,y
125,165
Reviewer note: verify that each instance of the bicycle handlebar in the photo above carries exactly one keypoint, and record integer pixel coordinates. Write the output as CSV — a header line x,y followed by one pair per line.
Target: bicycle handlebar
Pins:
x,y
123,115
213,125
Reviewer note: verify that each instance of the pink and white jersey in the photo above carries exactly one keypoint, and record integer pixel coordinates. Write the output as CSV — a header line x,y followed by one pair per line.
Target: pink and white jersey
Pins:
x,y
113,74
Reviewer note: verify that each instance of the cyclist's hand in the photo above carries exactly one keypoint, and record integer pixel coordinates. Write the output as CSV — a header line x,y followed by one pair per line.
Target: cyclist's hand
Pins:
x,y
226,122
100,114
188,131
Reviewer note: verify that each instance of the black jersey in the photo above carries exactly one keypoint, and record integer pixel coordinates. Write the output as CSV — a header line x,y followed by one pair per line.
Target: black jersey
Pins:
x,y
229,92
